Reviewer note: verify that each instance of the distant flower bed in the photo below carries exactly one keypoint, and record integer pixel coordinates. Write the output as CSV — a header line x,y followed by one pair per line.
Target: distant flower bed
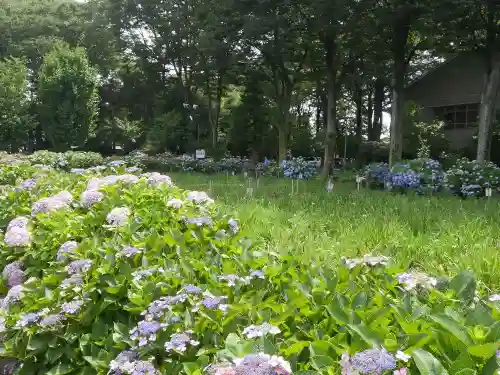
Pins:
x,y
296,168
466,178
109,270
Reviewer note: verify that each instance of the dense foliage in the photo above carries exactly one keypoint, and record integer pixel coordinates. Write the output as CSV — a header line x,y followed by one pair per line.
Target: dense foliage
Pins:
x,y
16,122
254,81
68,98
104,271
110,272
465,178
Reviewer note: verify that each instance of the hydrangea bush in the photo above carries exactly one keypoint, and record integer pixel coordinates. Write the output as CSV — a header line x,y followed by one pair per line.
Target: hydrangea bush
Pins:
x,y
469,178
299,169
108,272
421,175
376,175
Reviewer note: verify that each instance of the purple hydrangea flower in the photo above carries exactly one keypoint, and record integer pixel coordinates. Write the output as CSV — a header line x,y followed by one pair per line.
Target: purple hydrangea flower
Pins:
x,y
91,197
254,331
27,319
20,222
75,280
14,274
130,251
179,342
158,307
66,248
118,216
233,225
211,302
192,289
72,307
145,332
156,179
373,361
26,185
57,202
17,236
77,170
13,296
78,266
51,321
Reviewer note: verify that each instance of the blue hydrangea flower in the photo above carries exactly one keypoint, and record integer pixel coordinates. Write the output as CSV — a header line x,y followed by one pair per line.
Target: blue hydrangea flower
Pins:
x,y
373,362
179,342
79,266
146,331
192,289
51,321
72,307
66,248
130,251
28,319
91,197
158,307
74,281
17,237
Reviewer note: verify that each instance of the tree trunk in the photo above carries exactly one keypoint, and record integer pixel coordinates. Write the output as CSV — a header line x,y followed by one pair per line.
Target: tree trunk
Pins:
x,y
331,119
358,99
487,110
401,31
282,144
378,101
369,114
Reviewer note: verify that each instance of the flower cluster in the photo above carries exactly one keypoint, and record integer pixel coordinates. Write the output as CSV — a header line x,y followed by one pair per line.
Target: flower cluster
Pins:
x,y
18,233
369,362
299,169
469,178
377,174
367,260
252,364
411,280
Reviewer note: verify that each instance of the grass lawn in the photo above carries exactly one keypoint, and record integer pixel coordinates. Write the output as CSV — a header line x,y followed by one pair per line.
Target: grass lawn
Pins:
x,y
441,235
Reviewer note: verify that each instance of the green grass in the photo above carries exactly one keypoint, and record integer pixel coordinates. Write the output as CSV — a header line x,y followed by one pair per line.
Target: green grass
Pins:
x,y
441,235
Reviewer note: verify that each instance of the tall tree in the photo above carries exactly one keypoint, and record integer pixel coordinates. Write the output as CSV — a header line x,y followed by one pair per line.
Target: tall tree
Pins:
x,y
67,96
15,120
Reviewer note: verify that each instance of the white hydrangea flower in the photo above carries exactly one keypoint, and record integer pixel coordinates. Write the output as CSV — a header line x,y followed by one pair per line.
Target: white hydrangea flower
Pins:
x,y
17,236
118,216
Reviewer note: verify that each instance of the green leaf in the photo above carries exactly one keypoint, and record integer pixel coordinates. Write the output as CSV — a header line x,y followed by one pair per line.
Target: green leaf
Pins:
x,y
427,364
337,313
483,351
191,368
60,369
452,327
491,366
464,285
366,334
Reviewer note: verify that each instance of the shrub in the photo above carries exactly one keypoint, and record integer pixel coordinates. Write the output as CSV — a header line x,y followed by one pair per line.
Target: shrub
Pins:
x,y
78,159
469,178
298,169
422,175
376,174
117,273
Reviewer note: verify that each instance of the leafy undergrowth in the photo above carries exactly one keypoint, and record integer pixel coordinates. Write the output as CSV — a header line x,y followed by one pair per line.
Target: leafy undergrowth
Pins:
x,y
105,272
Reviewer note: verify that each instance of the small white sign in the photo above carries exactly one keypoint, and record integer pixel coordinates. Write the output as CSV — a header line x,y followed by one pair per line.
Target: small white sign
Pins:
x,y
200,154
